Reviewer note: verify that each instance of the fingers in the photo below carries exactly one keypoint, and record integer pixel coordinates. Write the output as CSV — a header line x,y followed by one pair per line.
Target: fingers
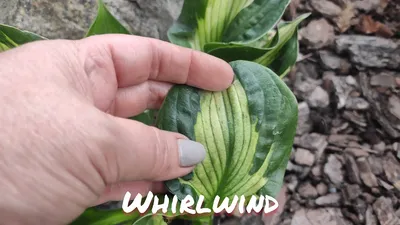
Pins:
x,y
137,59
131,101
147,153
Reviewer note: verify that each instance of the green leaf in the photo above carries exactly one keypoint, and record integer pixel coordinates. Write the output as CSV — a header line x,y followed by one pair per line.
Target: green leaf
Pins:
x,y
11,37
239,21
147,117
204,21
267,41
231,52
287,57
3,47
255,21
278,51
248,131
93,216
105,22
150,219
287,32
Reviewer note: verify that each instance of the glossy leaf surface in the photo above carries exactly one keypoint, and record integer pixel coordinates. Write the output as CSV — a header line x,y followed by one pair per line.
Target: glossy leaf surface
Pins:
x,y
248,131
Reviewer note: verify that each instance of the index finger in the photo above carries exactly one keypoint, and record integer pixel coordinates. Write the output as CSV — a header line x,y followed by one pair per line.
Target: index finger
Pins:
x,y
137,59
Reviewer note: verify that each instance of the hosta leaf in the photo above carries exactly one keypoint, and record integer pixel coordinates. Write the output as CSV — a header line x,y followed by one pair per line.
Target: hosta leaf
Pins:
x,y
255,21
239,21
204,21
147,117
287,57
3,47
105,22
11,37
160,218
150,219
267,41
248,131
199,219
231,52
277,50
93,216
287,32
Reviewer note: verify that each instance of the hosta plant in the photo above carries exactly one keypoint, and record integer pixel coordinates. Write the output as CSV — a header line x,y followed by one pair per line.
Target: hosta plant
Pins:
x,y
248,129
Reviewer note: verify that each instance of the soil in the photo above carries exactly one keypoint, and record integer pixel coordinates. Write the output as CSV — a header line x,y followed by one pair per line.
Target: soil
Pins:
x,y
345,166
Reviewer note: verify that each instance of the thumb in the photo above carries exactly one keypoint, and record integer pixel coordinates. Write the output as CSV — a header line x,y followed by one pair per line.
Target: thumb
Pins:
x,y
148,153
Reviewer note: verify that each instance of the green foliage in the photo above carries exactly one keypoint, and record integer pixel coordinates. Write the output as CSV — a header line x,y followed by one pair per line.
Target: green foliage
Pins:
x,y
284,54
150,219
11,37
3,47
93,216
231,30
240,21
105,23
232,52
248,130
147,117
254,21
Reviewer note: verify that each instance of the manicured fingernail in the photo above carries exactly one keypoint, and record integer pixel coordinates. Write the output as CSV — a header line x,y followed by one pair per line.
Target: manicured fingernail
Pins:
x,y
190,152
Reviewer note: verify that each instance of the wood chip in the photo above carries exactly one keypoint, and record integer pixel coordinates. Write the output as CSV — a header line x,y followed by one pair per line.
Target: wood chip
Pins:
x,y
368,25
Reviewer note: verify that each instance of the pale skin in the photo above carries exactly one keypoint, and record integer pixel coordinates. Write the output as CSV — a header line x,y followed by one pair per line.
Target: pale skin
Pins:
x,y
65,144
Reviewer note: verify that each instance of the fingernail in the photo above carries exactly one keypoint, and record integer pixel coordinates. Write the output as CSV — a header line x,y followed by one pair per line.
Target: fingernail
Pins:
x,y
234,79
190,152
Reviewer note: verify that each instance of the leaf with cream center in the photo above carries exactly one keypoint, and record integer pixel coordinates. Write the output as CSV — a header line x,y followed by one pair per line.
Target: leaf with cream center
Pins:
x,y
248,131
237,21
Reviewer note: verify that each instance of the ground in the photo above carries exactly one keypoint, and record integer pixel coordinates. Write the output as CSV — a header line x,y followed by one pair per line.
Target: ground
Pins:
x,y
345,164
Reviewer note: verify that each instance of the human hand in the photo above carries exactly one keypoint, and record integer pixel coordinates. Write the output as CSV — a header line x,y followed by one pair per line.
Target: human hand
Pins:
x,y
64,142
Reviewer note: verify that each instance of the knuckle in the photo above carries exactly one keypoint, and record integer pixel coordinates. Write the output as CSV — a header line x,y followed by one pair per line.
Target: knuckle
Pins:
x,y
99,72
155,65
102,152
97,59
160,155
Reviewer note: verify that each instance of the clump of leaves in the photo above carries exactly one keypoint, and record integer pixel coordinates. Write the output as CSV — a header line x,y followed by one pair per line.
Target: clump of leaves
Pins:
x,y
248,129
248,132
